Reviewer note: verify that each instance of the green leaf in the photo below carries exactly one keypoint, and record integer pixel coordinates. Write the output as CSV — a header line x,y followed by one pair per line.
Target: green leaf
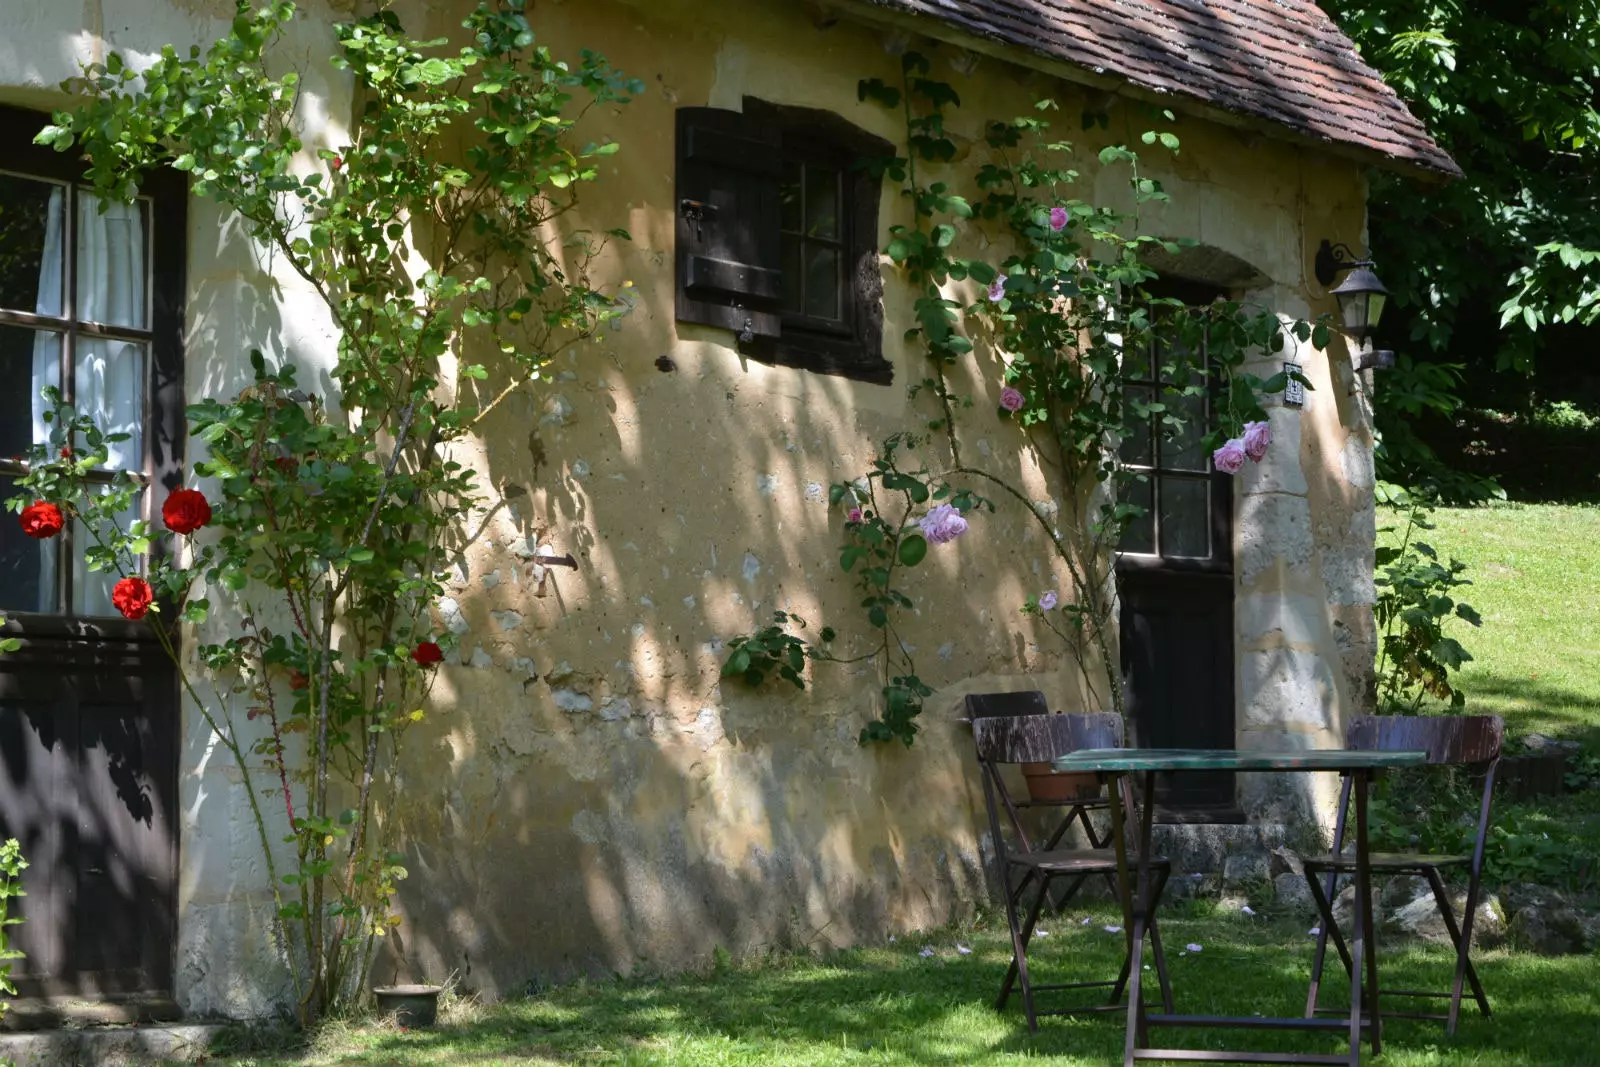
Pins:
x,y
737,664
913,549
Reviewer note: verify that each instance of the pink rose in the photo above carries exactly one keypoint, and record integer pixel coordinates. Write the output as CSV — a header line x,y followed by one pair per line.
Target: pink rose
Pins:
x,y
942,524
853,516
1048,601
997,289
1230,457
1257,436
1058,219
1012,399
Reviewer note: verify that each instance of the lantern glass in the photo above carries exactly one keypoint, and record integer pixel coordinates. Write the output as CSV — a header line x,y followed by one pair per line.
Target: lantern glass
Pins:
x,y
1361,299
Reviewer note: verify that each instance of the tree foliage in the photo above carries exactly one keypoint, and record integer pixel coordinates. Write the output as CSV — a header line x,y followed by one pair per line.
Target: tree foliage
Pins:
x,y
1493,273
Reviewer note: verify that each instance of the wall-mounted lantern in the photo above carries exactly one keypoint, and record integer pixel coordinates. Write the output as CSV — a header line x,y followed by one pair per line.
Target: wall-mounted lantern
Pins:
x,y
1361,297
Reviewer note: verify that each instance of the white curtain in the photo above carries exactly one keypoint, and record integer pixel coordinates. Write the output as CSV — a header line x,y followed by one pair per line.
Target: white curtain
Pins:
x,y
47,364
108,375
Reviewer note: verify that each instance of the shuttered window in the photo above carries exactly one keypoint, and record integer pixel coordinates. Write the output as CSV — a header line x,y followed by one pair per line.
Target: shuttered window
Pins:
x,y
777,236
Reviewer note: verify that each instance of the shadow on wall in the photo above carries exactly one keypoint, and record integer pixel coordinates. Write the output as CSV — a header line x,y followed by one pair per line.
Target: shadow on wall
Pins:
x,y
225,956
624,811
601,802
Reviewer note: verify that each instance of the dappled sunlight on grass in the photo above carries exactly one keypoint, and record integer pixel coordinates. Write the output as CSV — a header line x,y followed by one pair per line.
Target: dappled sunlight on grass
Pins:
x,y
889,1006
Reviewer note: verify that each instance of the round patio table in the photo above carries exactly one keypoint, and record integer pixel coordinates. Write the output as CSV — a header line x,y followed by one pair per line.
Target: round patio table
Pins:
x,y
1111,763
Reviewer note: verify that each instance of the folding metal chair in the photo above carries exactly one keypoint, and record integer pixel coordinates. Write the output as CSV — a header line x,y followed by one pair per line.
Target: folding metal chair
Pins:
x,y
1032,702
1448,740
1039,739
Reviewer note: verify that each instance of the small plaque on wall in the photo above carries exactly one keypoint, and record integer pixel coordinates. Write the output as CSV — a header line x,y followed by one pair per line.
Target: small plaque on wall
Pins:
x,y
1294,393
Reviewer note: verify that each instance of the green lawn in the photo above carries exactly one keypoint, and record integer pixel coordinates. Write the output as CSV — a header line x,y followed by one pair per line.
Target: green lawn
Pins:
x,y
889,1006
1535,570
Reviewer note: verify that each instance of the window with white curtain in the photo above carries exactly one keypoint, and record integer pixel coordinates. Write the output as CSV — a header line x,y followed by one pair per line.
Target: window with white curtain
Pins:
x,y
75,313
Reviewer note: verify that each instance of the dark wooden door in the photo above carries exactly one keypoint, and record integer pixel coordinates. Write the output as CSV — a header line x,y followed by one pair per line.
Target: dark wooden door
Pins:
x,y
88,786
1175,575
1177,662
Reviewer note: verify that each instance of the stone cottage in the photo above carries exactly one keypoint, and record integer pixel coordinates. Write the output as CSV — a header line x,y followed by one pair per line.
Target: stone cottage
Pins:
x,y
597,797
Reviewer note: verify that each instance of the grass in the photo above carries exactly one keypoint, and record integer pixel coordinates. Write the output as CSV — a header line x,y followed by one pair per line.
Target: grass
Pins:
x,y
1535,570
890,1007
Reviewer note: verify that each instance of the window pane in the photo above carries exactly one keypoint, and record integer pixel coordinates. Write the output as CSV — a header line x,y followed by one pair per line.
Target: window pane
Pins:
x,y
792,275
91,590
27,565
111,261
1140,536
110,388
789,194
1185,518
1136,362
29,361
822,202
31,216
822,281
1136,438
1180,445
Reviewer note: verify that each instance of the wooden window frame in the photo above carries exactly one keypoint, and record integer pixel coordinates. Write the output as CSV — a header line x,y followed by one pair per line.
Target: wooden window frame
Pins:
x,y
165,427
822,138
1219,499
729,234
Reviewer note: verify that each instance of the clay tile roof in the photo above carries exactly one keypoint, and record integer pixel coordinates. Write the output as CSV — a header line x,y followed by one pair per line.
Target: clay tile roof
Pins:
x,y
1283,61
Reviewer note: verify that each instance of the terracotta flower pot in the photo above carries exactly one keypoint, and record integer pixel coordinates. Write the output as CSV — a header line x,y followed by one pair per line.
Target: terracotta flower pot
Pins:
x,y
1044,784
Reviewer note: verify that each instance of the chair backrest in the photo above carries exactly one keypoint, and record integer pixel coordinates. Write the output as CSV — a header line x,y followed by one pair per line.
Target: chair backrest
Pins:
x,y
1445,738
991,705
1041,738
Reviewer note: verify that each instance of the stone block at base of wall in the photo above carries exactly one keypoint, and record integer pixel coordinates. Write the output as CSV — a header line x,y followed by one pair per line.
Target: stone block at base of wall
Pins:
x,y
131,1046
1235,850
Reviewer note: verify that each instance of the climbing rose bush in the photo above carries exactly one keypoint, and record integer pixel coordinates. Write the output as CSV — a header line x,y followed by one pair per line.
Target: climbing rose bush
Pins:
x,y
1257,438
132,596
42,520
337,515
943,524
185,511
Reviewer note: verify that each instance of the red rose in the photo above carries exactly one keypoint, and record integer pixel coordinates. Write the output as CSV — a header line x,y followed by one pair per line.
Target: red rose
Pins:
x,y
427,654
132,596
185,511
338,161
66,451
298,681
42,519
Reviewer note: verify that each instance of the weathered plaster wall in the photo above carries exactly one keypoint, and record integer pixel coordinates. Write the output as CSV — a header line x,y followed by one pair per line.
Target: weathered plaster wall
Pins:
x,y
586,795
609,803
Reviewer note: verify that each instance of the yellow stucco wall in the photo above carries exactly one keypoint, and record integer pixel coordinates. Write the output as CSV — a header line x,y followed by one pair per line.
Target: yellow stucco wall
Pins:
x,y
586,794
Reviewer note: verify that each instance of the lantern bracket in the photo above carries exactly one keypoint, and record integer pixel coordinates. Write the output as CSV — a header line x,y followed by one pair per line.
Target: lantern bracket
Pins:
x,y
1333,258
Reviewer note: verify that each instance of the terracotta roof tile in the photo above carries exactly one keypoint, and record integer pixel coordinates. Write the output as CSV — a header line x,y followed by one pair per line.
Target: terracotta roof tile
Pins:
x,y
1280,60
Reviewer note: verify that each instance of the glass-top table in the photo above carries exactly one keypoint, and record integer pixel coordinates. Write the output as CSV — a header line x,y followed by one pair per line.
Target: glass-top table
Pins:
x,y
1135,886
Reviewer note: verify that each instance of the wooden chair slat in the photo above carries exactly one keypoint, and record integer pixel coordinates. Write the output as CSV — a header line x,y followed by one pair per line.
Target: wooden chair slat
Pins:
x,y
1041,738
1445,738
995,705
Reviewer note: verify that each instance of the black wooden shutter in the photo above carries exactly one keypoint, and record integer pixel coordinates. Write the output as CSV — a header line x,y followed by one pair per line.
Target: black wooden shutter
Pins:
x,y
728,260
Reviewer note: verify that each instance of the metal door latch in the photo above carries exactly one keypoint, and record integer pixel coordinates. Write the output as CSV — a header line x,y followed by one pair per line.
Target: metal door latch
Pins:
x,y
697,212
